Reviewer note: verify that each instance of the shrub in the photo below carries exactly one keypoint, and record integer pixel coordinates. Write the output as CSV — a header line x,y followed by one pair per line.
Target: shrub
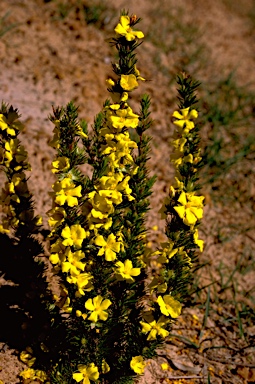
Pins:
x,y
111,314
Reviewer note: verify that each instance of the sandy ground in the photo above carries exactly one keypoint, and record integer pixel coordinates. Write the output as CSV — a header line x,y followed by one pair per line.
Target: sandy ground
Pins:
x,y
47,59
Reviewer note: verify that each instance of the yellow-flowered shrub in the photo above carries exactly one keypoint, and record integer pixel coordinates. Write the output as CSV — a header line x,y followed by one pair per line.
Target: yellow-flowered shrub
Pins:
x,y
97,243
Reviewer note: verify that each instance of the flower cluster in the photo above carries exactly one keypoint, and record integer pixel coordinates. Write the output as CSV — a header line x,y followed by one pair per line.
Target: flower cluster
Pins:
x,y
67,236
76,217
31,373
186,158
113,189
183,210
15,197
34,374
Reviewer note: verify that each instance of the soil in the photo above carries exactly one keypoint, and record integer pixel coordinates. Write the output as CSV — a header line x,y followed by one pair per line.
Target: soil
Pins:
x,y
53,54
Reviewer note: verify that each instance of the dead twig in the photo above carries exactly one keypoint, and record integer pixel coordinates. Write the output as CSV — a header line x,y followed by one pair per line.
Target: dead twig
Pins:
x,y
183,377
223,361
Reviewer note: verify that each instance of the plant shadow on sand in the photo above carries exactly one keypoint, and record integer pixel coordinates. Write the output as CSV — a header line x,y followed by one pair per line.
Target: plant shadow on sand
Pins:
x,y
27,318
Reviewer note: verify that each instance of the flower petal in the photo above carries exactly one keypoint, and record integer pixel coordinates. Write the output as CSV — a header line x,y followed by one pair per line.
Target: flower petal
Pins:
x,y
78,377
89,305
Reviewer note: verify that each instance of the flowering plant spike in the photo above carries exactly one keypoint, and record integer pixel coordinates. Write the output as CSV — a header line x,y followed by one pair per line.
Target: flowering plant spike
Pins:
x,y
111,314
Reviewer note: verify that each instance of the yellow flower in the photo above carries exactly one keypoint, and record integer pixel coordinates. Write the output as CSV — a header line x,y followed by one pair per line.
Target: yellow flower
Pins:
x,y
168,250
4,228
128,82
188,158
27,358
138,364
57,252
105,367
125,271
155,328
18,179
137,73
80,314
183,118
124,140
61,164
178,185
73,265
74,235
124,118
66,192
15,151
119,148
185,257
57,215
102,206
9,127
28,373
200,243
164,366
86,373
95,222
124,187
191,208
80,132
3,123
178,159
124,29
124,96
38,220
169,306
32,374
109,247
111,181
179,144
82,281
110,82
102,202
116,182
66,306
159,284
40,375
115,106
21,156
55,140
10,148
111,196
98,307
